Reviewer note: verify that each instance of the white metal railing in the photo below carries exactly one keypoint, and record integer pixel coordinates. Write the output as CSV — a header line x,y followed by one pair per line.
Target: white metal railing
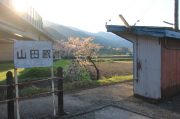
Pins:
x,y
30,15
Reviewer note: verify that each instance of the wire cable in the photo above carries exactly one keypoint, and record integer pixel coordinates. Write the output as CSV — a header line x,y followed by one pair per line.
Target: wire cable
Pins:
x,y
130,5
148,9
145,11
124,10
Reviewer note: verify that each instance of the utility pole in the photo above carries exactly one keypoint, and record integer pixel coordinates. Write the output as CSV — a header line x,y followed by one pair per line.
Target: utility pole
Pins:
x,y
176,18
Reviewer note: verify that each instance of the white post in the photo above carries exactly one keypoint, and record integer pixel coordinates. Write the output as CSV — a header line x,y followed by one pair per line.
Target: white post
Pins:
x,y
17,95
53,96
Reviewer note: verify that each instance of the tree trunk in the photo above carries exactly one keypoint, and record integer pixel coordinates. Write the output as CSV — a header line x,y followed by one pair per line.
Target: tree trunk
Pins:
x,y
97,70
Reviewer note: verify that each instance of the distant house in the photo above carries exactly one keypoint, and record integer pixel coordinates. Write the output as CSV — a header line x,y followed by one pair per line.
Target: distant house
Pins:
x,y
156,52
131,49
56,55
127,53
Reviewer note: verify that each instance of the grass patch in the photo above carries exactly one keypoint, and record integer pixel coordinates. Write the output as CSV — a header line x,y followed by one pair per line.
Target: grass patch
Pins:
x,y
37,72
112,60
32,90
113,56
124,62
3,73
104,61
34,72
110,52
6,66
113,79
86,76
90,83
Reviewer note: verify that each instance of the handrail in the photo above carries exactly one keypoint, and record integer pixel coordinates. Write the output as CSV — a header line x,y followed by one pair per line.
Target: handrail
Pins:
x,y
1,86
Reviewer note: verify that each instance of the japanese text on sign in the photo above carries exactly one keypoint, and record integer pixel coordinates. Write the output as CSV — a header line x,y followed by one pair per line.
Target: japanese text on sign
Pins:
x,y
33,54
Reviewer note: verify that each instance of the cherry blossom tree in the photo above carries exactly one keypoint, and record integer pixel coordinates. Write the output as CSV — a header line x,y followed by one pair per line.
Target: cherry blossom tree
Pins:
x,y
62,48
82,49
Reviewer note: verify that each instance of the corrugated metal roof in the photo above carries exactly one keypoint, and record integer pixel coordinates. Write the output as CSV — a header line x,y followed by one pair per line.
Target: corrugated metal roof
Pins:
x,y
144,30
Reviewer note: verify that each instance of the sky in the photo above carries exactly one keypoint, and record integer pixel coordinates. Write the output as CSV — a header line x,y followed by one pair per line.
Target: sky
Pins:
x,y
91,15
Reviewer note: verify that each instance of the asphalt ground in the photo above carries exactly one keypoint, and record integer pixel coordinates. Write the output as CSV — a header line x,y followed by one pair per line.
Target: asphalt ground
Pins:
x,y
105,102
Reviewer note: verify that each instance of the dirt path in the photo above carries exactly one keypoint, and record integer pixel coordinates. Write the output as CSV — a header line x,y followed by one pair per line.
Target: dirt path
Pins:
x,y
119,95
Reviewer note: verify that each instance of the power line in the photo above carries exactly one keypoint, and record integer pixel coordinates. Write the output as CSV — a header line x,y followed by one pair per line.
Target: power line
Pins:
x,y
124,10
130,5
148,9
145,11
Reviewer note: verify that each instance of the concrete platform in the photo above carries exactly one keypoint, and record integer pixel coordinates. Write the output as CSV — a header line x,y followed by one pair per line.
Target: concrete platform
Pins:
x,y
110,112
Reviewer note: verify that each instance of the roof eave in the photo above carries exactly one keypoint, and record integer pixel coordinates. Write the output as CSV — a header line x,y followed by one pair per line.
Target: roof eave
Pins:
x,y
143,30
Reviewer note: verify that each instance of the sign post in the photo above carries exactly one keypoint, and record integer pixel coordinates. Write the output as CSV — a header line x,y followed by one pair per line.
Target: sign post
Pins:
x,y
53,96
33,54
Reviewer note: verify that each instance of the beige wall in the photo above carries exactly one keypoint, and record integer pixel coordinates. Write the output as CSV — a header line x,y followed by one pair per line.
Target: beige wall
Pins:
x,y
6,52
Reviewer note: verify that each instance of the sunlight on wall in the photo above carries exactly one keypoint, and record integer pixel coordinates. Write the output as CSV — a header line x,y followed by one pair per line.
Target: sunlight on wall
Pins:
x,y
20,5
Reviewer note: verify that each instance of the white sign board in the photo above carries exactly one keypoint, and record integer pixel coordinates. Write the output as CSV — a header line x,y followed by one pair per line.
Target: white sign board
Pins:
x,y
33,54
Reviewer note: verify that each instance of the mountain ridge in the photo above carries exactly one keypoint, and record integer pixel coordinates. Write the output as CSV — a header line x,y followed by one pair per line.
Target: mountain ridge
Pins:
x,y
104,38
56,34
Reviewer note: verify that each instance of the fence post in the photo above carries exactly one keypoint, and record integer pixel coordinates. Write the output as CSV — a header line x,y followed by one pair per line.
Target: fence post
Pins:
x,y
60,94
10,104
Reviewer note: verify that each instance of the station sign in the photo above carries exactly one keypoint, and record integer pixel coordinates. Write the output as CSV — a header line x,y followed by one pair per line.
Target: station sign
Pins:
x,y
33,54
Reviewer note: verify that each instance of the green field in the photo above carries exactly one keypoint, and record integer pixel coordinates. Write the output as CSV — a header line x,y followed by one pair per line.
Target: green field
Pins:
x,y
116,56
111,52
38,72
108,52
35,72
112,58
